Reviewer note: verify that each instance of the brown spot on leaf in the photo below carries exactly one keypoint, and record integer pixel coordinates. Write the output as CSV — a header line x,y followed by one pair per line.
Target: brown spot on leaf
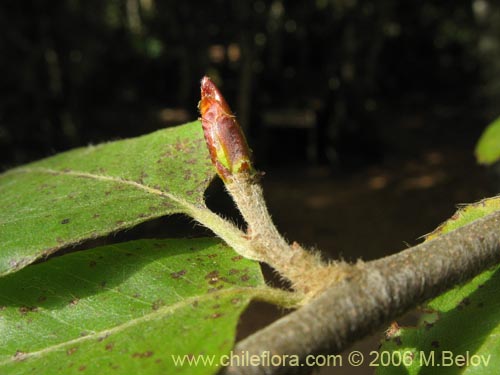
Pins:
x,y
109,347
236,258
245,278
182,146
65,221
212,277
74,302
233,271
142,355
435,344
463,303
211,256
82,368
70,351
195,303
144,175
215,315
157,304
178,274
26,309
235,301
39,299
428,325
167,204
188,174
167,154
102,338
95,216
119,222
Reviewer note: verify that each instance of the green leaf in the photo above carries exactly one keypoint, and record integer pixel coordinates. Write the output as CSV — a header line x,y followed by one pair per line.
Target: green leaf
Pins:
x,y
93,191
465,215
460,337
126,309
461,332
488,146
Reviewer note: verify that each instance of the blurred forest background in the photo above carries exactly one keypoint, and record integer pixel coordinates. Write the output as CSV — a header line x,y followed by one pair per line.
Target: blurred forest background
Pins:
x,y
351,106
322,76
363,113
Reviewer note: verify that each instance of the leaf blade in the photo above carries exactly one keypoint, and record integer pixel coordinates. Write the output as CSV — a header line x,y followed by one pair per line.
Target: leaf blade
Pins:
x,y
90,192
488,147
465,215
460,323
160,298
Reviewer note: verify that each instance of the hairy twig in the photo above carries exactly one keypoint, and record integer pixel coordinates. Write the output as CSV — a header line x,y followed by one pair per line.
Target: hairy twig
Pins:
x,y
232,160
379,291
304,269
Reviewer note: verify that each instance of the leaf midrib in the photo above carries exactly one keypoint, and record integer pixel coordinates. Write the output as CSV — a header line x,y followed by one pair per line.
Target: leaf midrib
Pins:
x,y
99,177
250,292
223,228
198,211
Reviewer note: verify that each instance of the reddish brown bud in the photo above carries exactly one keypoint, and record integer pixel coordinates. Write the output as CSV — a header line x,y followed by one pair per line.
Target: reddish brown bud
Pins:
x,y
226,143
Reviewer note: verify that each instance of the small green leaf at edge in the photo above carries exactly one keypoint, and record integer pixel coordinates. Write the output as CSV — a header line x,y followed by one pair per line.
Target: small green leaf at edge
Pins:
x,y
488,146
461,332
90,192
126,309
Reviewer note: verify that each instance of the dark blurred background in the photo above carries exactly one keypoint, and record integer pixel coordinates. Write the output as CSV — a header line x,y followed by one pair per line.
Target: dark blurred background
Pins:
x,y
311,81
363,113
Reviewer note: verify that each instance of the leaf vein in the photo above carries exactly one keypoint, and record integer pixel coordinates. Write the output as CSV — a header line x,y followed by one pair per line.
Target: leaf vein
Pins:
x,y
157,314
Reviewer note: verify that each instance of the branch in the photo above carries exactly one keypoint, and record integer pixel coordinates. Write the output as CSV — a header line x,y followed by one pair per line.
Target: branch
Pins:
x,y
378,292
